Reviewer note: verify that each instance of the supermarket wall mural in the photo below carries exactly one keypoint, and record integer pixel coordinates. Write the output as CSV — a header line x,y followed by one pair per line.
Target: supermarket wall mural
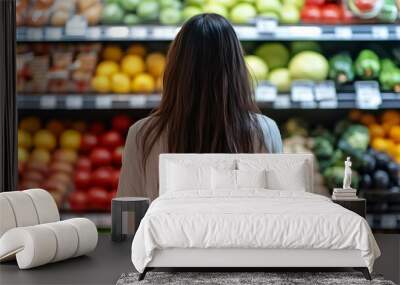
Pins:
x,y
308,59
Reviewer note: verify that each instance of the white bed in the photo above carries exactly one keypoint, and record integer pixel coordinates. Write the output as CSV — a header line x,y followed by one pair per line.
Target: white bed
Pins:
x,y
248,226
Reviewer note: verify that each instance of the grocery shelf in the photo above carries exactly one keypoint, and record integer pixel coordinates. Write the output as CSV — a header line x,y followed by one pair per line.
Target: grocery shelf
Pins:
x,y
101,220
257,32
121,102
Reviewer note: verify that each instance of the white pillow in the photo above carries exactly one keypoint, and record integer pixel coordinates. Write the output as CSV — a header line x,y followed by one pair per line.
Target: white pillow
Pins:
x,y
282,173
251,179
181,177
237,179
295,181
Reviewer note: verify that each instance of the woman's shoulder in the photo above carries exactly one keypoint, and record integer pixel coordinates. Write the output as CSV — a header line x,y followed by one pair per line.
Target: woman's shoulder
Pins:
x,y
266,122
138,125
272,135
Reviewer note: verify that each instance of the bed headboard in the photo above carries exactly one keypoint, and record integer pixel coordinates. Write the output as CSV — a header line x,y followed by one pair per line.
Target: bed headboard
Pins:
x,y
280,162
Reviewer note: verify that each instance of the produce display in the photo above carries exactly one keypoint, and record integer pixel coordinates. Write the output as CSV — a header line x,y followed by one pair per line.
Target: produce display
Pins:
x,y
281,64
131,71
374,150
77,162
38,13
89,68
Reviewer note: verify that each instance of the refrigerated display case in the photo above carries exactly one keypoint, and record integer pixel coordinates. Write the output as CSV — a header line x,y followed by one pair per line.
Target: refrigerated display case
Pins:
x,y
327,71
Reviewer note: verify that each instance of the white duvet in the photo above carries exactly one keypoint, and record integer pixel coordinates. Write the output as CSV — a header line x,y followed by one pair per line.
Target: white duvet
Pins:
x,y
250,219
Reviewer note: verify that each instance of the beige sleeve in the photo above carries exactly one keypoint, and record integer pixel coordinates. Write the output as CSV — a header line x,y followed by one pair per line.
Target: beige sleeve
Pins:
x,y
131,176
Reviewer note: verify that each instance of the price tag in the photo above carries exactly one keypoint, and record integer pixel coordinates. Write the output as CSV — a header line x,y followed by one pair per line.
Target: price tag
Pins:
x,y
74,102
76,26
282,102
117,32
165,32
34,33
48,102
380,32
368,94
398,32
343,33
308,105
53,33
139,32
325,90
266,92
94,33
136,101
328,104
103,102
266,25
302,90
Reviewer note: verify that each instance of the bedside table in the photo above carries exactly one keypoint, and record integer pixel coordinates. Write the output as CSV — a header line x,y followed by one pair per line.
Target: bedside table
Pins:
x,y
356,205
126,214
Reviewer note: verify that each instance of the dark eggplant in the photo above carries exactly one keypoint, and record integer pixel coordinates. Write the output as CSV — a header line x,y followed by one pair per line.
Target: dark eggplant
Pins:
x,y
381,179
382,160
393,169
366,182
368,163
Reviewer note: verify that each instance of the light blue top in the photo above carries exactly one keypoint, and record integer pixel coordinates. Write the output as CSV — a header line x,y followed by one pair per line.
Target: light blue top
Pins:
x,y
272,136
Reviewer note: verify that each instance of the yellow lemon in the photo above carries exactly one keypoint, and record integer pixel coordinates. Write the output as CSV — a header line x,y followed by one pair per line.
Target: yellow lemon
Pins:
x,y
40,155
143,83
101,83
70,139
112,53
155,63
132,64
120,83
137,49
22,154
107,68
24,139
44,139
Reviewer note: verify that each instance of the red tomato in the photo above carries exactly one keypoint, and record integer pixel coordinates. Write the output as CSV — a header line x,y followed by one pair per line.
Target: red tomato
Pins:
x,y
314,2
96,128
117,156
331,13
121,123
78,201
311,14
100,156
347,15
111,140
83,163
115,179
88,142
365,5
82,179
101,177
98,198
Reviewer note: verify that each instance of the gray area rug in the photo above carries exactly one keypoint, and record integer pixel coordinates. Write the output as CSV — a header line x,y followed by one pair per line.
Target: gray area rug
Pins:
x,y
268,278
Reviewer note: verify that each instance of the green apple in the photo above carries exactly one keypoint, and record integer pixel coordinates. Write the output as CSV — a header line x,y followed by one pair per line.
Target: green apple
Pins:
x,y
271,15
226,3
148,10
170,4
199,3
170,16
298,3
131,19
216,8
268,6
242,13
129,5
289,15
190,11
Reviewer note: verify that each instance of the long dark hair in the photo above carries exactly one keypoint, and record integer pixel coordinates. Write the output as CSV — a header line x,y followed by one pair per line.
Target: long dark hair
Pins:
x,y
207,104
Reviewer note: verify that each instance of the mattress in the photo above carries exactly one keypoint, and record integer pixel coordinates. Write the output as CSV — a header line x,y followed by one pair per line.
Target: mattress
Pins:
x,y
250,219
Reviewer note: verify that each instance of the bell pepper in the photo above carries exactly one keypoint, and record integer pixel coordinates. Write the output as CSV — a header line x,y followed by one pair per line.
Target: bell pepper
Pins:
x,y
389,12
341,68
389,77
367,64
